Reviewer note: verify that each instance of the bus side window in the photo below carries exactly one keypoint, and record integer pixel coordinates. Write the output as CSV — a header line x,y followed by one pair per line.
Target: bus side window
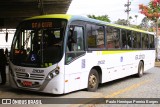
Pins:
x,y
138,40
78,46
145,43
113,38
75,45
134,39
95,36
126,39
151,39
75,39
129,39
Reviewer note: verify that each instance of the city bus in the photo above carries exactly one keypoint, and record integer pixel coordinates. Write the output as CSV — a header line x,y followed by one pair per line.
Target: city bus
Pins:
x,y
62,53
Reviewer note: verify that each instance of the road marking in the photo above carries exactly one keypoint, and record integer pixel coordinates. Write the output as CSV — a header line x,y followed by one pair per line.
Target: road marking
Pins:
x,y
126,89
114,94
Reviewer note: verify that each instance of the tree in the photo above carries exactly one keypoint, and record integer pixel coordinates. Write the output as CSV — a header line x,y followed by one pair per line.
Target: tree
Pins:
x,y
130,17
121,22
103,17
129,21
124,23
144,23
152,12
136,16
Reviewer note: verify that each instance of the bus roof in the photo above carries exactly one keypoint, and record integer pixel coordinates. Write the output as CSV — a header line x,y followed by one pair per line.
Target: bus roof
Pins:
x,y
76,17
63,16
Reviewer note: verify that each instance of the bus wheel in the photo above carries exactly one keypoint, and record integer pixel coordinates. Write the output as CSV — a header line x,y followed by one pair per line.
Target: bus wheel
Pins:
x,y
93,80
140,69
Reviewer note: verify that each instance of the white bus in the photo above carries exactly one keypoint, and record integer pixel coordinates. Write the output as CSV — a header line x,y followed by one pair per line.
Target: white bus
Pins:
x,y
61,53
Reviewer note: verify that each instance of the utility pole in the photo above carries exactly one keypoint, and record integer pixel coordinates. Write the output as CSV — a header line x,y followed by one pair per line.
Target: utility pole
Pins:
x,y
127,10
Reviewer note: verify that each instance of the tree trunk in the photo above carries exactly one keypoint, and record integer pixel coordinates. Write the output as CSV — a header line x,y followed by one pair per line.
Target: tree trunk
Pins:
x,y
157,40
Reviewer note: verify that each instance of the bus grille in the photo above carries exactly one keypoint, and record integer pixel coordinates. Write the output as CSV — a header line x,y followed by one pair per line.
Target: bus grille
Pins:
x,y
30,76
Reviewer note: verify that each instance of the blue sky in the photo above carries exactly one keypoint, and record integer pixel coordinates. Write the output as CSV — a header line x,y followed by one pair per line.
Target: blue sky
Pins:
x,y
113,8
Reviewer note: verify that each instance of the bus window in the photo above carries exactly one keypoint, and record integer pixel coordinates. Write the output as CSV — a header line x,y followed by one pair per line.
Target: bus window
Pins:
x,y
129,39
79,34
145,40
124,39
110,43
113,38
138,40
134,39
91,37
95,35
100,37
75,45
151,41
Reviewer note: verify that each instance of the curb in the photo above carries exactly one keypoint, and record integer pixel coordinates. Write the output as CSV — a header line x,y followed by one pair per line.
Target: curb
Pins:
x,y
157,64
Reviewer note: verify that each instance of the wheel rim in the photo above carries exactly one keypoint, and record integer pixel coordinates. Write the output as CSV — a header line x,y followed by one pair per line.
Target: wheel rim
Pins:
x,y
92,81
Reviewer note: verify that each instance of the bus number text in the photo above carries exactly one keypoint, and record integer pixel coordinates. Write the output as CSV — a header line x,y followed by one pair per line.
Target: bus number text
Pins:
x,y
141,56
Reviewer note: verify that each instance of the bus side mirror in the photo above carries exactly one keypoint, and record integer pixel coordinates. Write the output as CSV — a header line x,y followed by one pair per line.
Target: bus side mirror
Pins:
x,y
6,37
74,37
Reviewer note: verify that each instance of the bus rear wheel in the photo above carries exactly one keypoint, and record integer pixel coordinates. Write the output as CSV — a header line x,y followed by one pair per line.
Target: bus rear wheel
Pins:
x,y
93,80
140,69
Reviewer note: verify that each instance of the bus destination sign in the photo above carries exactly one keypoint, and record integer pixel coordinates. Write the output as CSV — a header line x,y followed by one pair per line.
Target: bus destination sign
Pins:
x,y
42,24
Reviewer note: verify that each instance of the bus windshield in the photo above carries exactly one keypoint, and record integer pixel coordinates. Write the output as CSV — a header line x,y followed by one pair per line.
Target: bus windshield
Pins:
x,y
38,43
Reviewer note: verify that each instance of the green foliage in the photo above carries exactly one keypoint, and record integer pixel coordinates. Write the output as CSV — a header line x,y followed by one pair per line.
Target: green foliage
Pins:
x,y
152,11
130,17
136,26
102,18
124,22
121,22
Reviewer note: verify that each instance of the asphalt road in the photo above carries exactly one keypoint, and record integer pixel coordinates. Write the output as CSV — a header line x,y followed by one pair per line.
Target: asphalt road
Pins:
x,y
147,86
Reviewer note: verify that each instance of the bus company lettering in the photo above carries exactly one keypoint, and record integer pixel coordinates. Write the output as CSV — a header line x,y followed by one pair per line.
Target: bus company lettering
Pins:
x,y
19,69
141,56
101,62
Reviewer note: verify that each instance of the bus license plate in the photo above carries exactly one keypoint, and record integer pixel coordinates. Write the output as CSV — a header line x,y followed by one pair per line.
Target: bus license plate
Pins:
x,y
27,83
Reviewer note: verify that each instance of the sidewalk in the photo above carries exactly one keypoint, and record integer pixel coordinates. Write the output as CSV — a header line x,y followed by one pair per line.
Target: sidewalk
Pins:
x,y
157,64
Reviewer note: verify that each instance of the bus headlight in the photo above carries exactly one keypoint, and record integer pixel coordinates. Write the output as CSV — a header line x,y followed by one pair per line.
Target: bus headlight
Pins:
x,y
50,75
53,73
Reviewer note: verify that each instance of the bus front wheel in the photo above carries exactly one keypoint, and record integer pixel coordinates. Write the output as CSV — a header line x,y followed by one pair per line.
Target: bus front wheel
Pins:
x,y
93,80
140,69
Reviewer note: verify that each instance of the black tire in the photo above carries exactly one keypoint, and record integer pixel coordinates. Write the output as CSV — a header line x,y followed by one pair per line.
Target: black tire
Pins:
x,y
93,80
140,69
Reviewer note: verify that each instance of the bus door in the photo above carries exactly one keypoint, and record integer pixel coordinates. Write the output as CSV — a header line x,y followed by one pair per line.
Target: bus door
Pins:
x,y
74,59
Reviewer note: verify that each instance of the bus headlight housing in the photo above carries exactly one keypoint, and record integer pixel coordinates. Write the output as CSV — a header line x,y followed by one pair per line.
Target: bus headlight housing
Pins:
x,y
53,73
